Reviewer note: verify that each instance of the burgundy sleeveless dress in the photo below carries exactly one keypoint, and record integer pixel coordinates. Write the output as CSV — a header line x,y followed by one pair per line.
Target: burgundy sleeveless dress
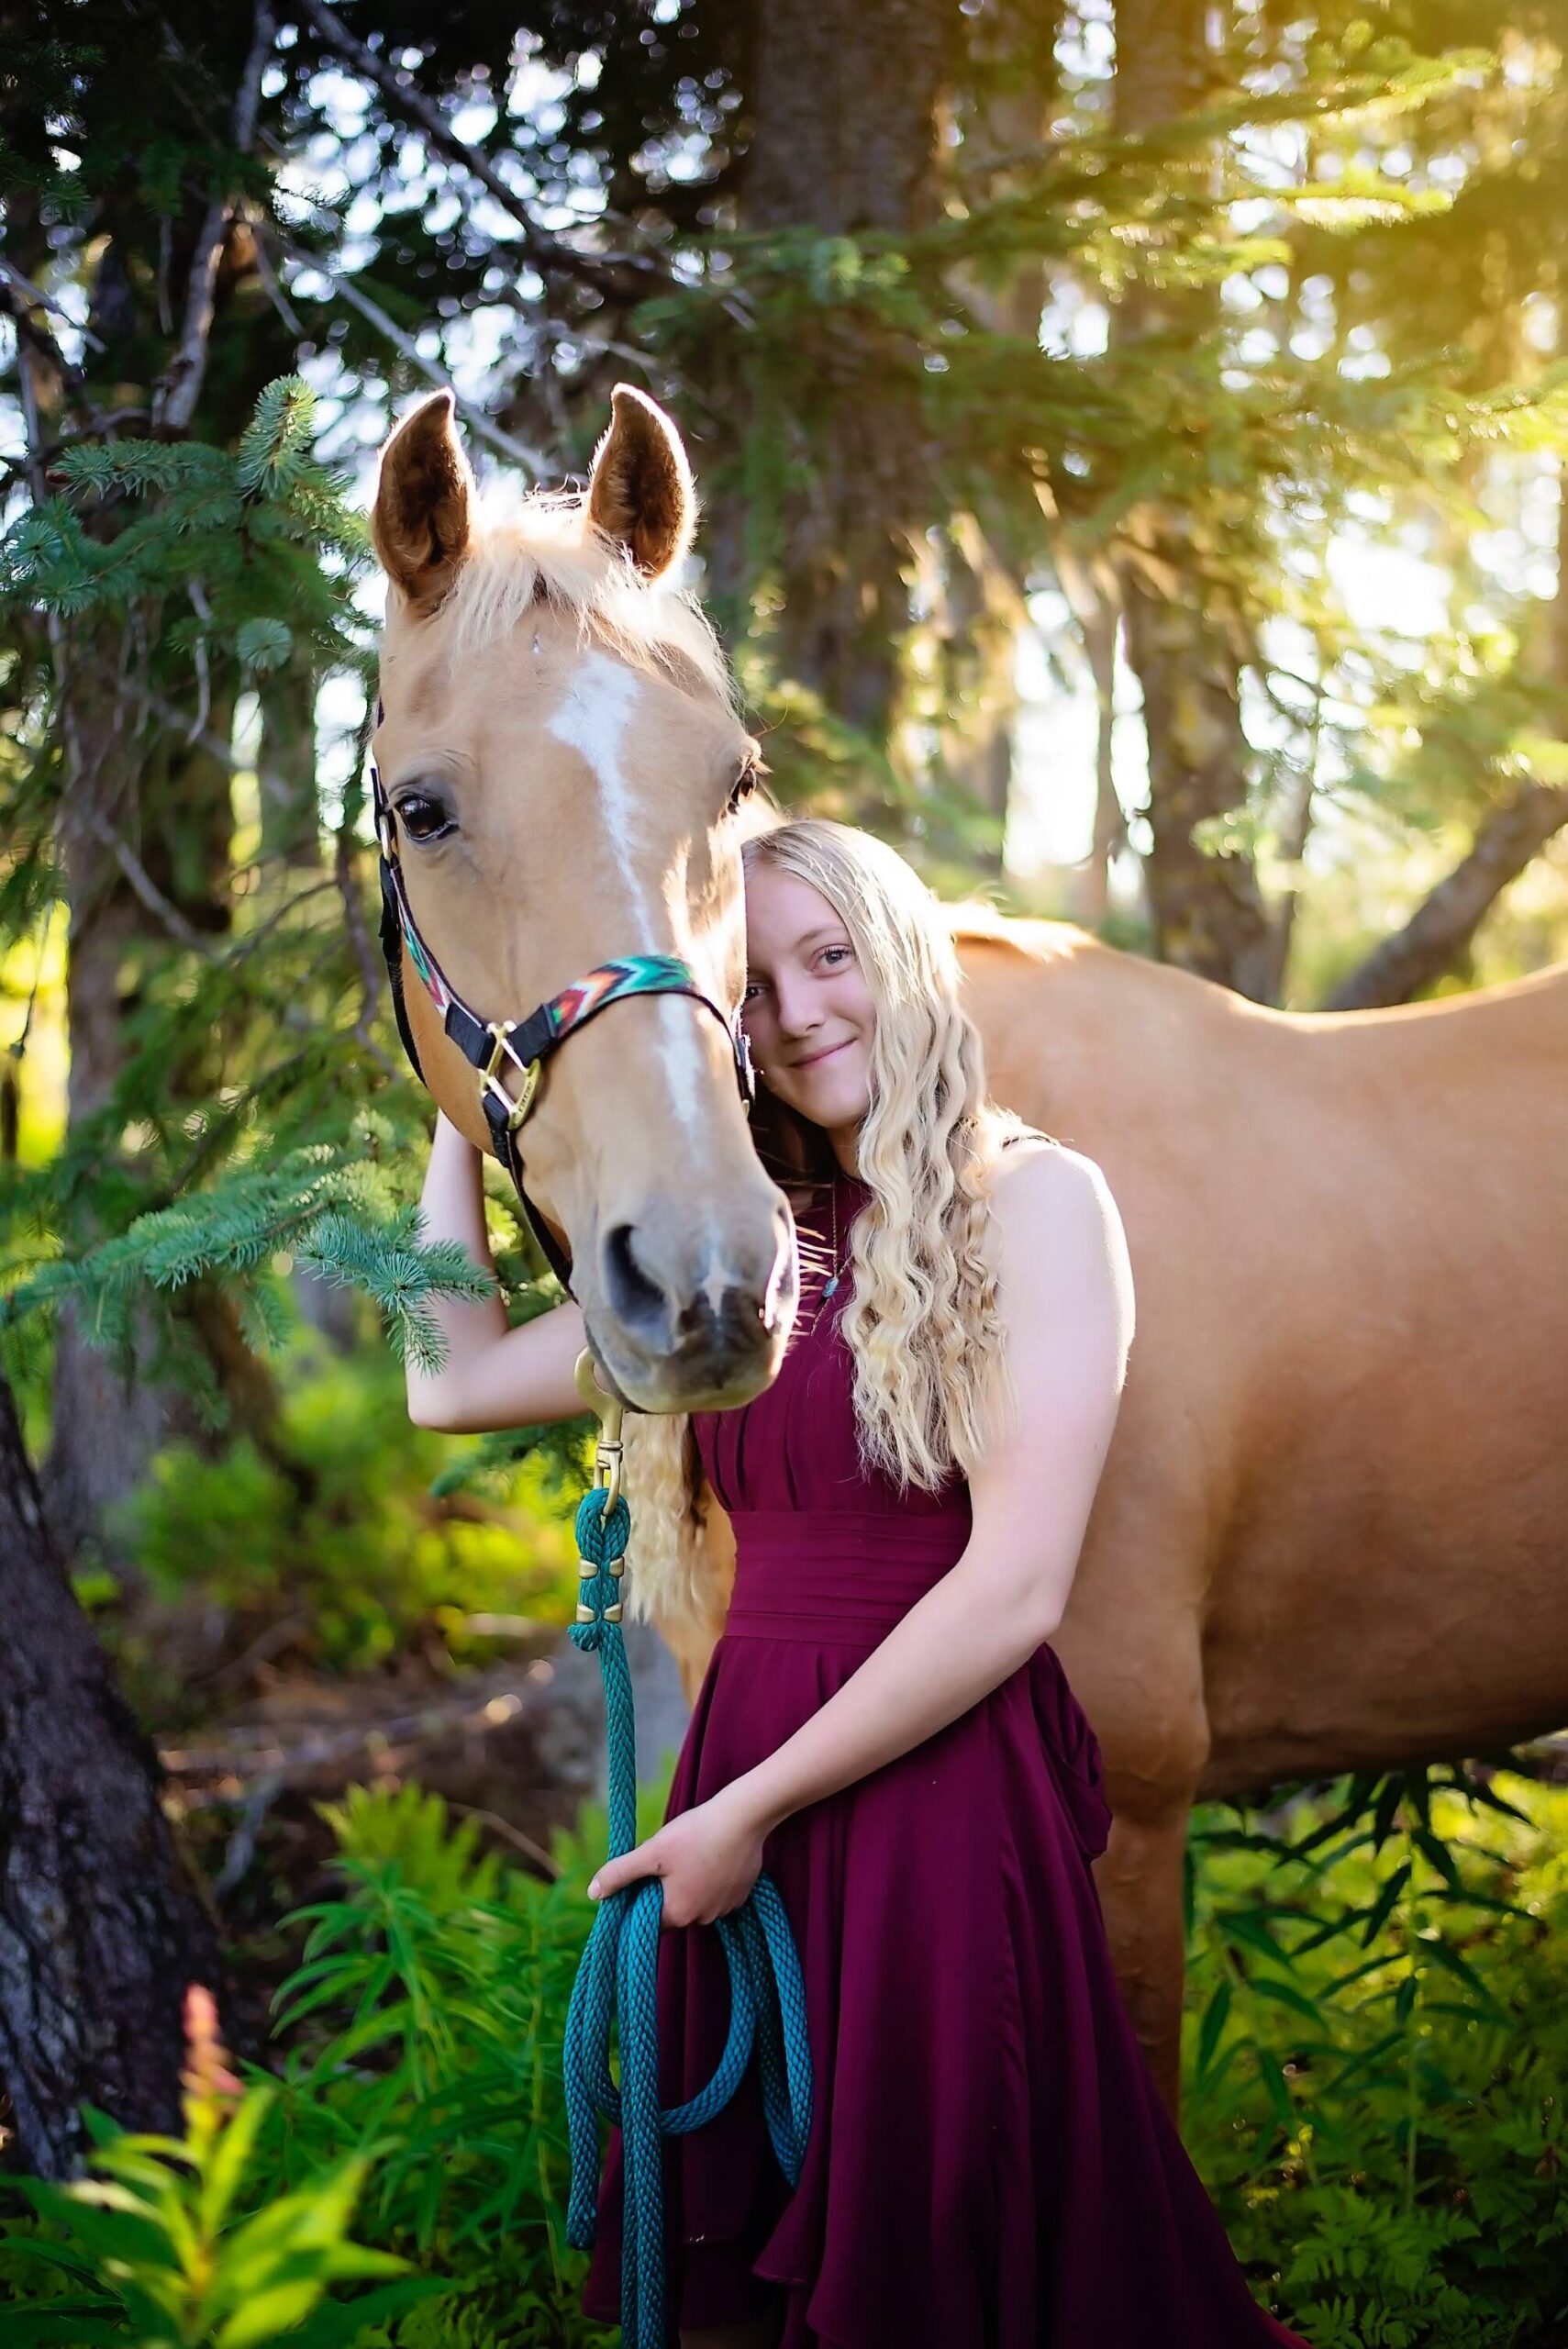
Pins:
x,y
989,2166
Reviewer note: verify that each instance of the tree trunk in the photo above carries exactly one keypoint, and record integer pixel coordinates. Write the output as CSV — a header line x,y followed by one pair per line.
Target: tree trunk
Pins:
x,y
1010,81
1207,911
100,1931
1439,933
824,481
135,788
107,1418
1440,930
286,764
977,612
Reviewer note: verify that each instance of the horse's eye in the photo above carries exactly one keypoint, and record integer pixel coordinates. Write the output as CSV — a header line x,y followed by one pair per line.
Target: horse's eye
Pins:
x,y
745,782
422,818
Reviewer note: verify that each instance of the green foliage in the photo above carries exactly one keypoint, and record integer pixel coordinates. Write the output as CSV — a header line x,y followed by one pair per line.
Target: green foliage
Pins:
x,y
185,2243
297,1204
1389,2161
261,541
334,1527
427,2016
1377,2028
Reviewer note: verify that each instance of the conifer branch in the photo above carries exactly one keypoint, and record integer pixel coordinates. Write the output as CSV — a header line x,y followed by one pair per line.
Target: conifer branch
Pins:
x,y
162,908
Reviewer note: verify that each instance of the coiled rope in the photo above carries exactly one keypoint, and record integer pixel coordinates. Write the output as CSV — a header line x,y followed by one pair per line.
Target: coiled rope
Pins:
x,y
618,1972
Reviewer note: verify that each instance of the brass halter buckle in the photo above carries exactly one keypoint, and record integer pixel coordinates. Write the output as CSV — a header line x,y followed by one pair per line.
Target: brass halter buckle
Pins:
x,y
489,1074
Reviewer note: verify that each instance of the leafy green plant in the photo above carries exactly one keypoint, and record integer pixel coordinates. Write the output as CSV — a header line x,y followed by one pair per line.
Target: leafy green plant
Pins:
x,y
182,2243
1377,2058
427,2017
336,1524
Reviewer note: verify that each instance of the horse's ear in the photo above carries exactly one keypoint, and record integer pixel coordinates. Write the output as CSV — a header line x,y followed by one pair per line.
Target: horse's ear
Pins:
x,y
422,517
640,491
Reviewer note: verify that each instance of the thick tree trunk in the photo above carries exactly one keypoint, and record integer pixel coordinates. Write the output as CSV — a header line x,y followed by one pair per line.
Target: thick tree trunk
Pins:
x,y
978,612
107,1418
100,1932
1207,911
133,783
822,489
1010,83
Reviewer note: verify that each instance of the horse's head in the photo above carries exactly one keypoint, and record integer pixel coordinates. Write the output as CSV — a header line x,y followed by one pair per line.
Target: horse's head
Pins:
x,y
565,770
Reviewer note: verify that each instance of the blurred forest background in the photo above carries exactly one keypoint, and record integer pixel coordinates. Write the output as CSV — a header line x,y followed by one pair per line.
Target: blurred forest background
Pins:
x,y
1130,440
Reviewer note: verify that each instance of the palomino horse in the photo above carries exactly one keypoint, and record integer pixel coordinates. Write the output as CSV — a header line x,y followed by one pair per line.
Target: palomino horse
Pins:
x,y
562,770
1332,1530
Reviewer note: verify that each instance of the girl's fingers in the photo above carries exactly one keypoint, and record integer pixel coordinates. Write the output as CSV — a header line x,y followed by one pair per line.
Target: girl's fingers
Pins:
x,y
614,1873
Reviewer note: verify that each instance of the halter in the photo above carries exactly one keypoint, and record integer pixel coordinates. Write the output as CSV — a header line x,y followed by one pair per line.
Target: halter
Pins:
x,y
496,1048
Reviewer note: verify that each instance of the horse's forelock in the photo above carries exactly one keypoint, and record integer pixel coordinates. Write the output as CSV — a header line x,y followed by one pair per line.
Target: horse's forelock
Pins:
x,y
544,548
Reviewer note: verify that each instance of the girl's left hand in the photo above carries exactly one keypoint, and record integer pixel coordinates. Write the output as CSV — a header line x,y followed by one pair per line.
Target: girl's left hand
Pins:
x,y
709,1857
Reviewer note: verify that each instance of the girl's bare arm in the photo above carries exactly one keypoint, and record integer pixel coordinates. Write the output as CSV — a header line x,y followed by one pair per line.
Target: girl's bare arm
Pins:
x,y
494,1377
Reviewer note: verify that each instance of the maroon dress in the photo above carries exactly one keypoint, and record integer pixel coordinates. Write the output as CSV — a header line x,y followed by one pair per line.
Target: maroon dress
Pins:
x,y
989,2166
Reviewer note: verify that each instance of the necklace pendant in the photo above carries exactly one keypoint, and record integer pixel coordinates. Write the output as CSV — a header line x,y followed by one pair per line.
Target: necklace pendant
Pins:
x,y
831,1286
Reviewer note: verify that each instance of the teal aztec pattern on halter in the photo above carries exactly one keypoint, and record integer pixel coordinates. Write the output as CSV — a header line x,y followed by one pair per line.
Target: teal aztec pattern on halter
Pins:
x,y
617,1976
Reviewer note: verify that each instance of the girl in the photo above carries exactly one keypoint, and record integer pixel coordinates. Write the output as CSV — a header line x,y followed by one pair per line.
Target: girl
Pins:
x,y
883,1725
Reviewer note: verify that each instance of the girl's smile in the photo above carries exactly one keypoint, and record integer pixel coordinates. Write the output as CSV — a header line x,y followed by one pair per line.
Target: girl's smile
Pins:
x,y
809,1011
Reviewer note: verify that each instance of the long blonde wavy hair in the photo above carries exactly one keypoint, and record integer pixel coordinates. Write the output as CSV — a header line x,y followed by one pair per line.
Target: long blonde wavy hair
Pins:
x,y
922,1322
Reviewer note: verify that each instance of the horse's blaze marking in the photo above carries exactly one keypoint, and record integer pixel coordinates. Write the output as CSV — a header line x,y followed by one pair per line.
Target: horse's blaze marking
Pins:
x,y
594,720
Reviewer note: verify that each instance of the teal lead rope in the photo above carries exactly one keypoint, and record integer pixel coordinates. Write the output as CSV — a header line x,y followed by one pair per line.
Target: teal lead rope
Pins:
x,y
618,1972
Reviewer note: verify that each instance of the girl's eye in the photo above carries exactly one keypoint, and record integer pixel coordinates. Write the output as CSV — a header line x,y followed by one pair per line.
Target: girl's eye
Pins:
x,y
836,950
423,819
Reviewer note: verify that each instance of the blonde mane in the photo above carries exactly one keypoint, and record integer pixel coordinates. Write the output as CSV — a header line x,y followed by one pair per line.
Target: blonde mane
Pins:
x,y
541,544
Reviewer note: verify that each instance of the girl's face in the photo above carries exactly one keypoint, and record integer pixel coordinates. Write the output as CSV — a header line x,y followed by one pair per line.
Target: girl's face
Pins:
x,y
806,1010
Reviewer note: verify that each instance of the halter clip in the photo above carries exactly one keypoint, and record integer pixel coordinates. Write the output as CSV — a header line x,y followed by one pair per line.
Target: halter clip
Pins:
x,y
500,1031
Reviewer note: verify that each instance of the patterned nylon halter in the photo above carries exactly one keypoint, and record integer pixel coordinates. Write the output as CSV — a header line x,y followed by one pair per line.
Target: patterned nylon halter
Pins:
x,y
499,1048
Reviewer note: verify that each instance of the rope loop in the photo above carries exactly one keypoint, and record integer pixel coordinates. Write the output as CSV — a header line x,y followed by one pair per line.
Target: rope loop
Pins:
x,y
616,1983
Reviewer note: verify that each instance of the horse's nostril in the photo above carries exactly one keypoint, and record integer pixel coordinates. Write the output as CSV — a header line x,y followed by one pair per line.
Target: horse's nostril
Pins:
x,y
637,1301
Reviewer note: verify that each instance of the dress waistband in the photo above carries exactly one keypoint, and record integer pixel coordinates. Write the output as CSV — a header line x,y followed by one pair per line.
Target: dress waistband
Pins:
x,y
841,1576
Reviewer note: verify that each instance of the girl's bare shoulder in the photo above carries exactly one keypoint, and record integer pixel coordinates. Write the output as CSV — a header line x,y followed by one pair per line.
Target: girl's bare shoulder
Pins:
x,y
1035,1162
1047,1198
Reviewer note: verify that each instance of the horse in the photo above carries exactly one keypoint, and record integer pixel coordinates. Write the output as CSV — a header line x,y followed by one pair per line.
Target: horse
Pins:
x,y
559,767
1331,1532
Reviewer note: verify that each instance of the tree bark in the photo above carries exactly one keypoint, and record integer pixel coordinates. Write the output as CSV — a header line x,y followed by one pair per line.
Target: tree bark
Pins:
x,y
1207,911
286,764
167,803
823,484
1438,932
100,1930
1010,81
977,613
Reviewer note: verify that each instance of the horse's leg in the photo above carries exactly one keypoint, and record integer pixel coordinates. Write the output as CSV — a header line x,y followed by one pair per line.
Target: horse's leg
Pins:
x,y
1140,1883
1154,1738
